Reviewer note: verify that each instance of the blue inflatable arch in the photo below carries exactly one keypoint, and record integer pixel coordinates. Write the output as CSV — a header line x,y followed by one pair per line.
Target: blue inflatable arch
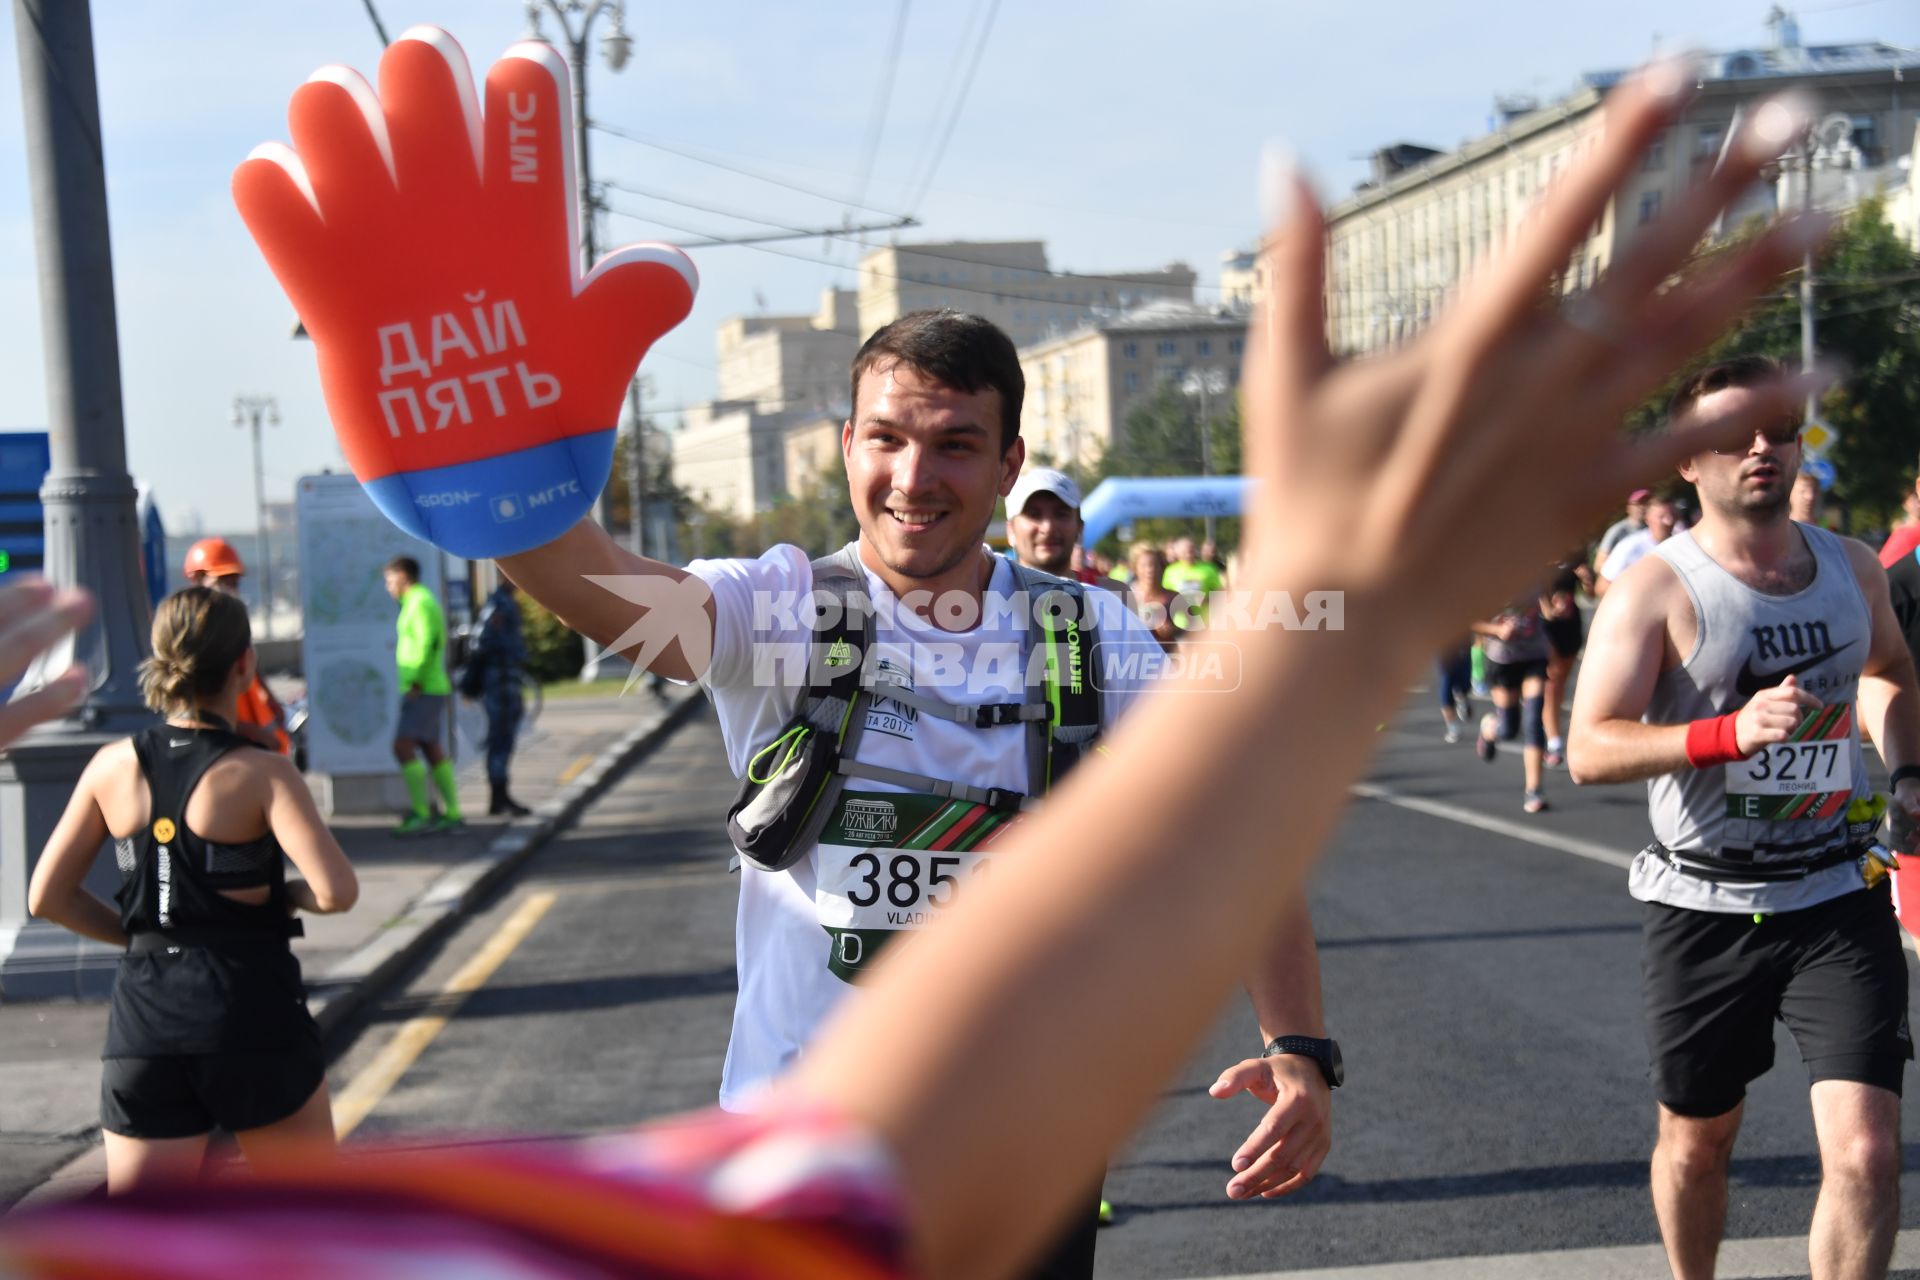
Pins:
x,y
1120,501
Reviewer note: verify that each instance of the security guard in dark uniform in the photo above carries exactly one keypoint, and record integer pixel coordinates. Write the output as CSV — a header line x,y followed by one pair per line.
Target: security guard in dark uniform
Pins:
x,y
500,654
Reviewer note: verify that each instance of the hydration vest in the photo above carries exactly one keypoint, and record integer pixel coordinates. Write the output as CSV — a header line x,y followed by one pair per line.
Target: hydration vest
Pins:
x,y
790,785
171,877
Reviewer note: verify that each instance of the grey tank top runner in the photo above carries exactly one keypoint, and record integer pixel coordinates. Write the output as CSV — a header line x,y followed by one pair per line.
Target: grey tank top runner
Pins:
x,y
1781,807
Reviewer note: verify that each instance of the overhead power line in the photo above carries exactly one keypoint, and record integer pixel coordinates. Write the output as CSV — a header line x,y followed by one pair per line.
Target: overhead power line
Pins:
x,y
1001,294
882,97
953,113
723,211
670,149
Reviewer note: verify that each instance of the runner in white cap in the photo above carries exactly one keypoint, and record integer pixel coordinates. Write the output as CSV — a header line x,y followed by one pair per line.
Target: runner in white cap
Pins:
x,y
1043,522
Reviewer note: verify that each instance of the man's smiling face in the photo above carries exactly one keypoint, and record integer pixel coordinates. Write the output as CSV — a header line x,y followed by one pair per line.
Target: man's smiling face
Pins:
x,y
925,469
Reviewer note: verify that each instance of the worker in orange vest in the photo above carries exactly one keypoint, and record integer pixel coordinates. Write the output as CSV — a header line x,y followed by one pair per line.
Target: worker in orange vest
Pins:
x,y
212,562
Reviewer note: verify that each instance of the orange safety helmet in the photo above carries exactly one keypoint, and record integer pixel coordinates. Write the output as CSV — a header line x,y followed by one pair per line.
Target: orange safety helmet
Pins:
x,y
215,556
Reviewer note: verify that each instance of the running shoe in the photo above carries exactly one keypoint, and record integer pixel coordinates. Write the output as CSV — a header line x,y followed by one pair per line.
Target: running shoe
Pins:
x,y
1106,1213
1534,802
1555,759
414,824
443,823
1453,733
1489,726
1463,706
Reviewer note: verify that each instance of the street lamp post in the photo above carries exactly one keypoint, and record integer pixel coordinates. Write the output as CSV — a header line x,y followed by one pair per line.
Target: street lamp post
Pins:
x,y
92,525
1205,383
615,46
252,411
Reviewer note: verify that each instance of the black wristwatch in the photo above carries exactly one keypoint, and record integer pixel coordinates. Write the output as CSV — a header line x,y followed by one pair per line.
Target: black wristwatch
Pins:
x,y
1324,1052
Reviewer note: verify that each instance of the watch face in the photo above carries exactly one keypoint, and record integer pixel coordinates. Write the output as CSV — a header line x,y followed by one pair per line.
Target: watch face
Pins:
x,y
1336,1067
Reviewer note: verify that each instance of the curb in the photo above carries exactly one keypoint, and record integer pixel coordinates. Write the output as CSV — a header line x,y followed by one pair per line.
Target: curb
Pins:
x,y
369,971
373,968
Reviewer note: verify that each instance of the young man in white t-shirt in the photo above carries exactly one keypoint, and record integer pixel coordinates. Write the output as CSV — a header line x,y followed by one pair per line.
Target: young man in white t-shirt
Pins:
x,y
931,446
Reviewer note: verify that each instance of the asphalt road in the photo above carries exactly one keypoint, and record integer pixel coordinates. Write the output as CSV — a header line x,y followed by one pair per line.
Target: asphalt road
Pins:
x,y
1483,987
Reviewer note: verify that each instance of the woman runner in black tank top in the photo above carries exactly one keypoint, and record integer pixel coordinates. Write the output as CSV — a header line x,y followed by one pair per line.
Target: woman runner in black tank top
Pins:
x,y
209,1024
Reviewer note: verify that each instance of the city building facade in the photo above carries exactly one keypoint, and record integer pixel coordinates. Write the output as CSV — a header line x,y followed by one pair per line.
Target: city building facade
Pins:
x,y
1403,239
1007,281
774,372
1081,385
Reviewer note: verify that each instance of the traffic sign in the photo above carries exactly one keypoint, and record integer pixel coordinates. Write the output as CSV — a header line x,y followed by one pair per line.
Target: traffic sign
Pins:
x,y
1816,438
1820,469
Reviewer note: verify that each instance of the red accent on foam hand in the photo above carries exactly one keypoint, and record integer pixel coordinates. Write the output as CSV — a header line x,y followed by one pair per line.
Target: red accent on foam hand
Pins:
x,y
1906,891
1713,741
382,218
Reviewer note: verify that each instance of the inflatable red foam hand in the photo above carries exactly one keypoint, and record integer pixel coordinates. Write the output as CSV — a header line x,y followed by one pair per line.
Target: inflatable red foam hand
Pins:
x,y
474,377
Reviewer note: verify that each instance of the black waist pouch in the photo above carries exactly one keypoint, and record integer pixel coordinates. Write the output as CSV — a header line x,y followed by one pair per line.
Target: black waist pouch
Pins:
x,y
785,785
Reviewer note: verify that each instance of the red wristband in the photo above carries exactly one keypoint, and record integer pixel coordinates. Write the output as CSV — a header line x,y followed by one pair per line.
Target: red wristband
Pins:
x,y
1714,741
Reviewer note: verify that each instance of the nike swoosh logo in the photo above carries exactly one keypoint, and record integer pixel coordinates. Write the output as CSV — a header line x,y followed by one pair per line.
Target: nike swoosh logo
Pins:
x,y
177,743
1750,682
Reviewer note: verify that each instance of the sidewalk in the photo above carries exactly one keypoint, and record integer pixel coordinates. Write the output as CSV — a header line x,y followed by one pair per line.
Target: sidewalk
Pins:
x,y
411,892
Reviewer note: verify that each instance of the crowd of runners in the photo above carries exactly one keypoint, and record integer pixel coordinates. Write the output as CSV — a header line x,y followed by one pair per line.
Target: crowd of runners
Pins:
x,y
910,1117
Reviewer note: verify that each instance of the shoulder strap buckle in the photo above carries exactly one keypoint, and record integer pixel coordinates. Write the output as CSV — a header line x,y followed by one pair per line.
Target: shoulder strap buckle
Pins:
x,y
1001,800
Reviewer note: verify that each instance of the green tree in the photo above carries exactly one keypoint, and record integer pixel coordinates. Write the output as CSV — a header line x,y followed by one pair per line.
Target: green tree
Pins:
x,y
1867,315
554,650
657,483
1161,437
818,521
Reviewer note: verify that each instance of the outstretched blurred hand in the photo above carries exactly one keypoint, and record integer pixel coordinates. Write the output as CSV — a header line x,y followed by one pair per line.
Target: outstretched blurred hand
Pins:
x,y
1432,479
473,375
33,618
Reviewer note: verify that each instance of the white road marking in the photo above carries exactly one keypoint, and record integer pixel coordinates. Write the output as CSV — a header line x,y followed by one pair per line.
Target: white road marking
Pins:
x,y
1466,817
1739,1260
366,1091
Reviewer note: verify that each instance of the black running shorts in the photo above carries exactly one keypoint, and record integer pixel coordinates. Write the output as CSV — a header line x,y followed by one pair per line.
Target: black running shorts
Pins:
x,y
1713,984
1510,675
190,1094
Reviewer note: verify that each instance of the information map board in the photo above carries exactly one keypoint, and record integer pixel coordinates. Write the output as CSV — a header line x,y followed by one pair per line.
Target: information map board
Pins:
x,y
353,699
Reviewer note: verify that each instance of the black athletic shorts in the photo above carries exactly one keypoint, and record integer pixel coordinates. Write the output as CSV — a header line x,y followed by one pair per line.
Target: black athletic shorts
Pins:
x,y
1565,634
187,1095
1508,675
1713,984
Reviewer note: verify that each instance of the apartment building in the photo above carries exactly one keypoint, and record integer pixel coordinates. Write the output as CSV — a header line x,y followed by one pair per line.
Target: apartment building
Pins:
x,y
1405,237
1007,281
775,371
1081,385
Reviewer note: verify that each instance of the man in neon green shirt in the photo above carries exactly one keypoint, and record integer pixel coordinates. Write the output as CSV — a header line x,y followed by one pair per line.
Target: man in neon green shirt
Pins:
x,y
1195,580
419,658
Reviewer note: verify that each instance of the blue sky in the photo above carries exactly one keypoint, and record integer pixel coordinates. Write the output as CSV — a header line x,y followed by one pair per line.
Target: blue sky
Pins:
x,y
1123,133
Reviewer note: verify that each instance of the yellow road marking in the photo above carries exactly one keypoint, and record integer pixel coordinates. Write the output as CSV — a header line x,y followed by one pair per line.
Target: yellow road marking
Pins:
x,y
574,770
365,1092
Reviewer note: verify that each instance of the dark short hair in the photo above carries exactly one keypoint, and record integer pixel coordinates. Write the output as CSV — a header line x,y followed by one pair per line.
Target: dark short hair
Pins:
x,y
1739,371
954,348
407,565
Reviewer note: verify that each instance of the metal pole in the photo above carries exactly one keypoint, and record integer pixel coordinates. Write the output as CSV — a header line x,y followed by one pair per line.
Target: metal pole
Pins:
x,y
1806,285
260,533
1206,443
93,535
597,663
577,46
92,525
636,472
248,411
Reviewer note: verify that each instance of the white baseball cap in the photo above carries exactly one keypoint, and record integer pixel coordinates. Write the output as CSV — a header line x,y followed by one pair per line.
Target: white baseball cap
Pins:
x,y
1042,480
